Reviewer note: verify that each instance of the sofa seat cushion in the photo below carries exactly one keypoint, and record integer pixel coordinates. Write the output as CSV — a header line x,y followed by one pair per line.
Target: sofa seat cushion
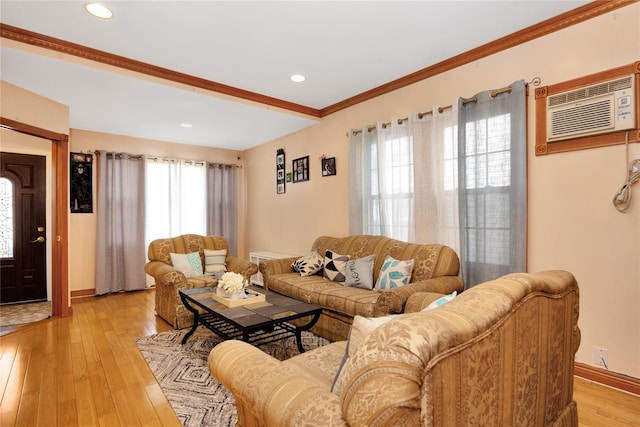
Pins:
x,y
321,363
202,281
325,293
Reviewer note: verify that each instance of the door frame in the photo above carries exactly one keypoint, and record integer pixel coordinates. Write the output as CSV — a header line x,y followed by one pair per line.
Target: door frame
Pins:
x,y
60,215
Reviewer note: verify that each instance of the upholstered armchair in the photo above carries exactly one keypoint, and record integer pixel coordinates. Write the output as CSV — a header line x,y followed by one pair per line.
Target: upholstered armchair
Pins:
x,y
498,354
169,279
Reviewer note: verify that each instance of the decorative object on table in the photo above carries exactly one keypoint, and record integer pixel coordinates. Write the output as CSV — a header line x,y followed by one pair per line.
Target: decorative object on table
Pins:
x,y
301,169
328,166
231,285
280,178
248,296
81,196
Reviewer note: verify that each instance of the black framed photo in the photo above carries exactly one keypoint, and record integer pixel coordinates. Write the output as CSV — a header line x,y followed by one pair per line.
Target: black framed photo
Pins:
x,y
300,169
329,166
81,178
280,186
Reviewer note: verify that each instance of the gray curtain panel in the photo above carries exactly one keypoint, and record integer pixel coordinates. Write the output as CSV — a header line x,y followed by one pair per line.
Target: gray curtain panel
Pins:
x,y
120,245
222,204
492,177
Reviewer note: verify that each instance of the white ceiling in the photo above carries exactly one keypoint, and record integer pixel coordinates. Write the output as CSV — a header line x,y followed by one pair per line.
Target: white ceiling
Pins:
x,y
344,48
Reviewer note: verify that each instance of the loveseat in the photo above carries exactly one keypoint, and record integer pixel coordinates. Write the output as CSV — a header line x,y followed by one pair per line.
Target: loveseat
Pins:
x,y
498,354
435,269
169,279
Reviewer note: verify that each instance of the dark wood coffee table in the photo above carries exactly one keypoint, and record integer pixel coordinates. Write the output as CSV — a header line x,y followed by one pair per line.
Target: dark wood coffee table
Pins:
x,y
258,324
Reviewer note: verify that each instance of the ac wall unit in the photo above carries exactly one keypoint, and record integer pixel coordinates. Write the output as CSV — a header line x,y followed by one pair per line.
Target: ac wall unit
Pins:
x,y
591,110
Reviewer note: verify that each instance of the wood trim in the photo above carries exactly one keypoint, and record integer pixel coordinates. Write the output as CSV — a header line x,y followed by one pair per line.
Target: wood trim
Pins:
x,y
59,200
602,140
31,130
83,293
572,17
611,379
73,49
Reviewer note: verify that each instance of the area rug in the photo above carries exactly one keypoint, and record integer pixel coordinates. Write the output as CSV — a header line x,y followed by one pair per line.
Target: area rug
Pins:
x,y
19,314
197,398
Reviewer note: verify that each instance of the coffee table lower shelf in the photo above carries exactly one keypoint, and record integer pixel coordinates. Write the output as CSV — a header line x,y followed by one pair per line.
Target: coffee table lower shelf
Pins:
x,y
257,324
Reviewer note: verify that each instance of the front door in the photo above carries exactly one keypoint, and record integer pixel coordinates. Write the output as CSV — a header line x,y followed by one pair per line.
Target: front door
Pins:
x,y
22,228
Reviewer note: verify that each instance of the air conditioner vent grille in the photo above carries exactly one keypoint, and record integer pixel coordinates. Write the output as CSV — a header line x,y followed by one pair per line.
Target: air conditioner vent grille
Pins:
x,y
584,118
590,91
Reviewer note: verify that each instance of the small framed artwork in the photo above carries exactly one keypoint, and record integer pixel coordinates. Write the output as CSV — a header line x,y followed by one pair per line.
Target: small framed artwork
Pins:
x,y
280,186
329,166
81,179
301,169
288,177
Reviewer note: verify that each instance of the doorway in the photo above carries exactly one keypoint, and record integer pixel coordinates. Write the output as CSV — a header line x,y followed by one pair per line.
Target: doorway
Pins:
x,y
23,255
59,224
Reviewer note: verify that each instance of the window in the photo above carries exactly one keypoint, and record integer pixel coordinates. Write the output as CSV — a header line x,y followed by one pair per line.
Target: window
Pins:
x,y
6,218
175,199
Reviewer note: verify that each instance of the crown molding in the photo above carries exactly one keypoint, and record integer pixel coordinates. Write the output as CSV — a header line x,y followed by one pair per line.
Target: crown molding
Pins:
x,y
567,19
68,48
575,16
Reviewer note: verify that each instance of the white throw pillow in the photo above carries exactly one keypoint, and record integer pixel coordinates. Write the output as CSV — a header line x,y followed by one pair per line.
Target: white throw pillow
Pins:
x,y
440,301
189,264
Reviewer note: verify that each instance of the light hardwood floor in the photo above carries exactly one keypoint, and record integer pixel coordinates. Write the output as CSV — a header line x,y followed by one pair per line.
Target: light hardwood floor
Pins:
x,y
85,370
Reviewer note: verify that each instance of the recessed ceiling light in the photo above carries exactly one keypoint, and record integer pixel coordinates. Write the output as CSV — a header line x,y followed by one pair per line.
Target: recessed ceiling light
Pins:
x,y
98,10
186,125
297,78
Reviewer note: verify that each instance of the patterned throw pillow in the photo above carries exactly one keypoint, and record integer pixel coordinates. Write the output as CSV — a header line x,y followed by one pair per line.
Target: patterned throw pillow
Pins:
x,y
309,264
189,264
359,272
394,273
440,301
335,266
361,328
215,261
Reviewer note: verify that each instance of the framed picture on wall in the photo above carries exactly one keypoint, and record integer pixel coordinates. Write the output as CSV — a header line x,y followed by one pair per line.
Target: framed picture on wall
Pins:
x,y
300,169
329,166
280,186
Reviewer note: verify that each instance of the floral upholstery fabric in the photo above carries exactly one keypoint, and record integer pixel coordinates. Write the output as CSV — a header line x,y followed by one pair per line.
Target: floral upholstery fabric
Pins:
x,y
169,280
499,354
435,269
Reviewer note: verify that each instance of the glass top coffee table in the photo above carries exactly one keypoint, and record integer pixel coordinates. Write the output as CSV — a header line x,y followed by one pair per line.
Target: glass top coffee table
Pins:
x,y
258,324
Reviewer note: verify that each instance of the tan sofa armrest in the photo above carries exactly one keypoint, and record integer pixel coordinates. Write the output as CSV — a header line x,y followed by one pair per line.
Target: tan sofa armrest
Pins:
x,y
394,300
420,300
241,266
272,267
165,274
270,391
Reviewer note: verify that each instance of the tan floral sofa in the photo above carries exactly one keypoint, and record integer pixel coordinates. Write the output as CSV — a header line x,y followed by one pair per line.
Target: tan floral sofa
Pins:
x,y
499,354
435,270
170,280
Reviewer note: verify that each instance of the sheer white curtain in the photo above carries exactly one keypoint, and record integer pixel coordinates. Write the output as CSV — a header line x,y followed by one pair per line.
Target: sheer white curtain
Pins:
x,y
175,199
222,203
120,244
381,170
435,150
493,184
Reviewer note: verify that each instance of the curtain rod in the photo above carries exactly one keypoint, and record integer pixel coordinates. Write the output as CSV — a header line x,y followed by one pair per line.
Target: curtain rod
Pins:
x,y
166,159
535,81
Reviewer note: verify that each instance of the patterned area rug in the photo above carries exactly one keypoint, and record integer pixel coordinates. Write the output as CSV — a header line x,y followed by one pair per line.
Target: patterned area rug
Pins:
x,y
197,398
19,314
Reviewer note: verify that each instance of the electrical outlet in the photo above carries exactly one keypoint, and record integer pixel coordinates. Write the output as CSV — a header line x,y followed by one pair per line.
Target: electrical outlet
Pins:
x,y
602,357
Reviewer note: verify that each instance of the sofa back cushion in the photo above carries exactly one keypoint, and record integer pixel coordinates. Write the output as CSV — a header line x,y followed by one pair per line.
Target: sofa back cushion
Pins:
x,y
431,260
513,339
161,249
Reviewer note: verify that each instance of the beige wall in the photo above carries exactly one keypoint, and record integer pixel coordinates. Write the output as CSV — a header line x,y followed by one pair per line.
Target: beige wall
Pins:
x,y
572,223
82,227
